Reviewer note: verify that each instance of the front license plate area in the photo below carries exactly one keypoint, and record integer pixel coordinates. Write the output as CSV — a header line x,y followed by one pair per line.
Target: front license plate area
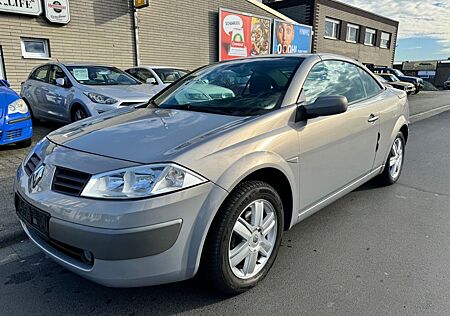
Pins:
x,y
32,216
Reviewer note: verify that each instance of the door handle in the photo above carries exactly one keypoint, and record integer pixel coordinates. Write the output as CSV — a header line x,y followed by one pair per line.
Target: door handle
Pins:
x,y
373,118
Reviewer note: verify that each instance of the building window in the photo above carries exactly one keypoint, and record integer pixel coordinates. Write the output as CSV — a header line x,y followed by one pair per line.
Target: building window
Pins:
x,y
35,48
385,40
369,38
352,33
332,28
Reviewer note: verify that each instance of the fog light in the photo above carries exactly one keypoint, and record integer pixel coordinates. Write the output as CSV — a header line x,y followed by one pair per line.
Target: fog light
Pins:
x,y
87,257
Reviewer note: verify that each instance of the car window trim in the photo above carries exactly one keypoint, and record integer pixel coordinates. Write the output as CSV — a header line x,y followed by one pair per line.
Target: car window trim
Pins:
x,y
39,69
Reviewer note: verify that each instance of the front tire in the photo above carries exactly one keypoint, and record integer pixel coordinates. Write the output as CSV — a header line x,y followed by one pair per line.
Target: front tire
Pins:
x,y
24,143
394,164
79,113
244,238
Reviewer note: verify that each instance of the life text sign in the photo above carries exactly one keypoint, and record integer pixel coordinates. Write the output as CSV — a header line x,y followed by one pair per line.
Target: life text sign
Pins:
x,y
28,7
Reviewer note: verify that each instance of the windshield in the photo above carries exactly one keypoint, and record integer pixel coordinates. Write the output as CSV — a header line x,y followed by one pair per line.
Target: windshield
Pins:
x,y
101,76
398,72
168,75
238,88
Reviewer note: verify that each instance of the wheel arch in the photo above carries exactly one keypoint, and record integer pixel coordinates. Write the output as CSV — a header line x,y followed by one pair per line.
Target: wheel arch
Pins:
x,y
262,171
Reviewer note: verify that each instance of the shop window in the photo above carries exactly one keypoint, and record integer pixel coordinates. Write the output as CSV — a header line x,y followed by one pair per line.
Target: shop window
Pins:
x,y
385,40
35,48
332,28
369,38
352,33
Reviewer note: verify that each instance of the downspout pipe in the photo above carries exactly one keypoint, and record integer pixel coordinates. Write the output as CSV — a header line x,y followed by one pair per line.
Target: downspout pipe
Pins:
x,y
137,56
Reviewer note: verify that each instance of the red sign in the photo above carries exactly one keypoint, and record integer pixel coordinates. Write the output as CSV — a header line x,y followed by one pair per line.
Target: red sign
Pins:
x,y
243,35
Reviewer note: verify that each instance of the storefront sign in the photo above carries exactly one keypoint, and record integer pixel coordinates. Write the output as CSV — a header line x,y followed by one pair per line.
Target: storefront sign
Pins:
x,y
139,4
28,7
290,38
57,11
420,65
243,35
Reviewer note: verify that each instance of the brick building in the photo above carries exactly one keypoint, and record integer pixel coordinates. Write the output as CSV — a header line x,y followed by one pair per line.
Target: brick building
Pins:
x,y
178,33
344,29
175,33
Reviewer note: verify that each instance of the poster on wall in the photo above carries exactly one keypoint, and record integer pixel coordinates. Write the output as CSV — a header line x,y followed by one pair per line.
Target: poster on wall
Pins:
x,y
291,38
243,35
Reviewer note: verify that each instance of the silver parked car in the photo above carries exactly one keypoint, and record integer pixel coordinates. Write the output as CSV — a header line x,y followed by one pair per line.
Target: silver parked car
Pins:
x,y
155,194
70,92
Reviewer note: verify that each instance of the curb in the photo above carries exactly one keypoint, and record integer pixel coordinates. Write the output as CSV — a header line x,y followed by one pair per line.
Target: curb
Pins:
x,y
427,114
12,237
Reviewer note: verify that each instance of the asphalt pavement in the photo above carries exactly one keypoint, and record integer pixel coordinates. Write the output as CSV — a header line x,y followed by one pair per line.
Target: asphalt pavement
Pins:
x,y
377,251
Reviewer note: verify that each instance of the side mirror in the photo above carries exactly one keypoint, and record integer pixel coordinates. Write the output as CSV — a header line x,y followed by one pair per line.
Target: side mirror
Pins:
x,y
5,83
60,82
151,81
323,106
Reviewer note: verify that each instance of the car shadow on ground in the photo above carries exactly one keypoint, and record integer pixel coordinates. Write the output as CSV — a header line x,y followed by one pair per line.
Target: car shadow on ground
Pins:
x,y
57,286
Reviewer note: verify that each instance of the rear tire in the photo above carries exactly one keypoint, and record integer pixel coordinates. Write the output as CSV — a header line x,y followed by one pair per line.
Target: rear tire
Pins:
x,y
394,164
231,262
78,113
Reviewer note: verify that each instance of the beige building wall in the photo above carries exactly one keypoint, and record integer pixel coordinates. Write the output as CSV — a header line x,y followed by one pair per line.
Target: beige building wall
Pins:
x,y
361,52
185,33
99,31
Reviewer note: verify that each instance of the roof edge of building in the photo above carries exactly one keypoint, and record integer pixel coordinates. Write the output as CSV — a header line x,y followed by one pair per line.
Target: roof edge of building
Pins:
x,y
271,11
289,3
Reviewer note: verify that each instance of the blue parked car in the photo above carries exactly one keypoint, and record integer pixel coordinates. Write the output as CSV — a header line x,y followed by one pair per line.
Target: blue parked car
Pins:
x,y
15,119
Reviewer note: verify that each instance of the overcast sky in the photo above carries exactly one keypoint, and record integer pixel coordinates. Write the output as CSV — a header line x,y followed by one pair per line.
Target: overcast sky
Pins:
x,y
424,26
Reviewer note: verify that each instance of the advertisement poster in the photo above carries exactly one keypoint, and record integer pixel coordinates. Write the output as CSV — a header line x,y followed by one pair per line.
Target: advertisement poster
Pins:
x,y
289,38
243,35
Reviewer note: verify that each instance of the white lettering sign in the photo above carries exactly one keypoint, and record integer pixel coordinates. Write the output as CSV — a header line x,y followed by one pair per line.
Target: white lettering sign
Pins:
x,y
29,7
57,11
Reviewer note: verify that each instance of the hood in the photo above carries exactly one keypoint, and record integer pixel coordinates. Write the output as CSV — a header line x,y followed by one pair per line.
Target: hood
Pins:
x,y
409,78
400,83
140,92
144,135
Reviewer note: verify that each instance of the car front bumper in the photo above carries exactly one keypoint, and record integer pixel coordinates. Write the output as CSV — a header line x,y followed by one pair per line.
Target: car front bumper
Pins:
x,y
15,129
133,243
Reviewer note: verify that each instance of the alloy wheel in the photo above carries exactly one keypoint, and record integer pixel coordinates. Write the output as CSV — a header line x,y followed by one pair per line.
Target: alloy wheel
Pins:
x,y
396,159
253,239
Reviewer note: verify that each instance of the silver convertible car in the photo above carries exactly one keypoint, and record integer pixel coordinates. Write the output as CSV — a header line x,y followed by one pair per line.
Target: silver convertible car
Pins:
x,y
160,193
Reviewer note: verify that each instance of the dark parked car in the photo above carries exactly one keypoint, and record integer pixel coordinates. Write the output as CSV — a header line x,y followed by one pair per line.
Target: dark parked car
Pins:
x,y
397,84
418,82
447,84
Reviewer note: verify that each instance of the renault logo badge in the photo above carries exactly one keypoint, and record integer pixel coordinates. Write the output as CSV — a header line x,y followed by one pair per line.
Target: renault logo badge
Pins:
x,y
37,175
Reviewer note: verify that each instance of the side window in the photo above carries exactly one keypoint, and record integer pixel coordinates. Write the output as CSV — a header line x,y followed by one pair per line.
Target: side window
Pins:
x,y
142,75
371,86
55,73
40,74
332,77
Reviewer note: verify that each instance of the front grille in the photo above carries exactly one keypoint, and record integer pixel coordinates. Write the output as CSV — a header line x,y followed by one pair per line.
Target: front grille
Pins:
x,y
16,133
31,164
69,182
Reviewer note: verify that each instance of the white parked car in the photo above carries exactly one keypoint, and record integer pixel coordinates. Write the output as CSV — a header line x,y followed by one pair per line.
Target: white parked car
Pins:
x,y
157,75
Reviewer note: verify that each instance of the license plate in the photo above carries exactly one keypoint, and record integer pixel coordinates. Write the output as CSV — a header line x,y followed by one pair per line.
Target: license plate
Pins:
x,y
33,217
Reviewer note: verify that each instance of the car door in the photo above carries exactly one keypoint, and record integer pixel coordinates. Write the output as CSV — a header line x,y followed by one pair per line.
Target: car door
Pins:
x,y
35,89
58,96
336,150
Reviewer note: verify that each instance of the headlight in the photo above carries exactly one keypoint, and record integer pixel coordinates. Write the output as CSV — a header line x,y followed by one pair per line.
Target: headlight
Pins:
x,y
142,181
99,98
18,106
